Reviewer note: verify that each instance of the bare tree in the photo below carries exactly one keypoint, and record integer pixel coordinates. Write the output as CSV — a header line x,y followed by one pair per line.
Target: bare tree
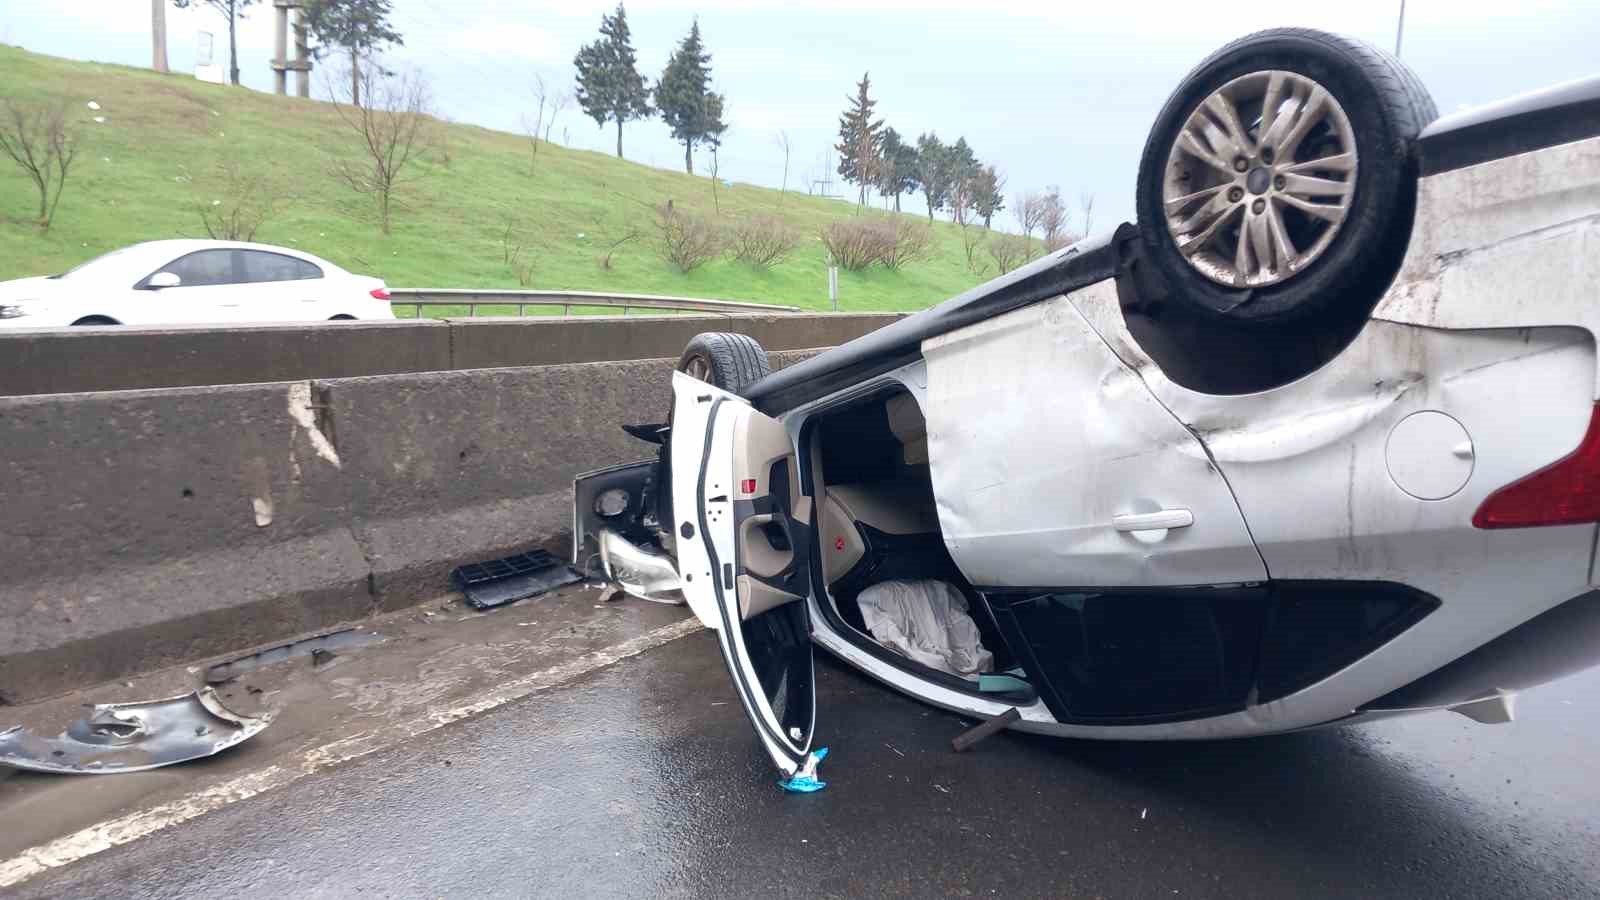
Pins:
x,y
782,140
1028,207
558,103
611,240
393,129
513,251
715,203
1053,220
1009,251
42,144
972,241
241,199
537,126
1086,206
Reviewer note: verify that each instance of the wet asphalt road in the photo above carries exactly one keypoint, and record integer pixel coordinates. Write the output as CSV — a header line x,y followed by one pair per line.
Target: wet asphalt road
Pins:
x,y
643,780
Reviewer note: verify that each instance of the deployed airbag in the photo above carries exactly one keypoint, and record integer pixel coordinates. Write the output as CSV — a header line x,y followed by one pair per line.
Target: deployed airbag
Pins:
x,y
926,621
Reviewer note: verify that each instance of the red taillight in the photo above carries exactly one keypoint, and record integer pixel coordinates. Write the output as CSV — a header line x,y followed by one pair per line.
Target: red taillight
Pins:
x,y
747,486
380,293
1566,492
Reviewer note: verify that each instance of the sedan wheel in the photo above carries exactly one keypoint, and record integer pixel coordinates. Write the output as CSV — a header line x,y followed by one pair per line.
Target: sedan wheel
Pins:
x,y
1278,182
1255,204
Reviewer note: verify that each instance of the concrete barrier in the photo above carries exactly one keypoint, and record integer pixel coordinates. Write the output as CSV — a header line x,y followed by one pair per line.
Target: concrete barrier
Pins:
x,y
145,528
115,358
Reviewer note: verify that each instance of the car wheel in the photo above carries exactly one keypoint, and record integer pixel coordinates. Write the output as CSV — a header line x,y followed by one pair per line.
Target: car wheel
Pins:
x,y
97,320
728,361
1276,178
342,317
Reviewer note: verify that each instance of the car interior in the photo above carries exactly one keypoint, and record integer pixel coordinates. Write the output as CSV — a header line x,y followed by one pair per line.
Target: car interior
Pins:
x,y
877,520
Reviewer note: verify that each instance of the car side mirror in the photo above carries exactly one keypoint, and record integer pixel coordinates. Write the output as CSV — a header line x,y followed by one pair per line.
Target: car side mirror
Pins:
x,y
163,280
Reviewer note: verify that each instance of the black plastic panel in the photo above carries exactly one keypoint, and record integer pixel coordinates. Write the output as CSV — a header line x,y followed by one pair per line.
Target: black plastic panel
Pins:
x,y
1112,657
1140,656
1319,627
1555,115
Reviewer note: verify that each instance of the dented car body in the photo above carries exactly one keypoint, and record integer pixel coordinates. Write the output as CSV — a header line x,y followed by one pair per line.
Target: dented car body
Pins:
x,y
1169,526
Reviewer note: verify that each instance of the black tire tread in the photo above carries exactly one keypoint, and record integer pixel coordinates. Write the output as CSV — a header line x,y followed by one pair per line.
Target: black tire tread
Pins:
x,y
737,360
1403,106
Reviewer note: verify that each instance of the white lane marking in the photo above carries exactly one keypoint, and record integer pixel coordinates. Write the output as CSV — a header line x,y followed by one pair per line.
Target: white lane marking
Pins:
x,y
135,825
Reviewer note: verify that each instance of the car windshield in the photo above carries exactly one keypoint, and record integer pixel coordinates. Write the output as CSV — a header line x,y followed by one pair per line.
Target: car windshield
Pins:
x,y
102,258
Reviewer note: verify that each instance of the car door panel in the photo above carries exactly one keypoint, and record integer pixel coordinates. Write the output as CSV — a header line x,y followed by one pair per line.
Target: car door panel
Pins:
x,y
735,576
1313,465
1053,465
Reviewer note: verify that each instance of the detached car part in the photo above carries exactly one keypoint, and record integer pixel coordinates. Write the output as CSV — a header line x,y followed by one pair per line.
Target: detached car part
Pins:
x,y
133,737
497,582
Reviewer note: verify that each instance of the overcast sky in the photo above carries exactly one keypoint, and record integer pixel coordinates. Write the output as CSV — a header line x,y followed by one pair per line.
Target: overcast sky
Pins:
x,y
1049,93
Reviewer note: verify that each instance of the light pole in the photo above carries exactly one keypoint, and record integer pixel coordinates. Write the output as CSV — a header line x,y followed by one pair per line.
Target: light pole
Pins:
x,y
1400,29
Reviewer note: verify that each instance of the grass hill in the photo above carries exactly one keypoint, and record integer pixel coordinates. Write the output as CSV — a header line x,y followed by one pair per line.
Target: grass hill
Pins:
x,y
144,171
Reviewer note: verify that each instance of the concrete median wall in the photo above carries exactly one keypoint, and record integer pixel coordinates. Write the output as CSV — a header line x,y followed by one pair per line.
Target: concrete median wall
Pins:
x,y
71,360
144,528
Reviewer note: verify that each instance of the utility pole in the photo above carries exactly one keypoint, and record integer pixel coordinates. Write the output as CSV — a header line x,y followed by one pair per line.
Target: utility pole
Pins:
x,y
158,35
282,65
1400,29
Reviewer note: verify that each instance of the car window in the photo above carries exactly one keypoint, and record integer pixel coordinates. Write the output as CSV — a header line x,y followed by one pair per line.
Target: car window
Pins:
x,y
262,266
204,267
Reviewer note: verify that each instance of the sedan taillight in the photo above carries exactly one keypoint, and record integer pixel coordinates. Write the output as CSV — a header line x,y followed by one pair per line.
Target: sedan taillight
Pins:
x,y
380,293
1566,492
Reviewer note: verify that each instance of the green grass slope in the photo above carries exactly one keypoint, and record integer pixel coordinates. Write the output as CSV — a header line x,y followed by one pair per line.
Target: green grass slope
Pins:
x,y
142,173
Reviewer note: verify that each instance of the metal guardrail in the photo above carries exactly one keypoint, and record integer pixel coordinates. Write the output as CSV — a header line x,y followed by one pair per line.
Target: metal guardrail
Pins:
x,y
417,298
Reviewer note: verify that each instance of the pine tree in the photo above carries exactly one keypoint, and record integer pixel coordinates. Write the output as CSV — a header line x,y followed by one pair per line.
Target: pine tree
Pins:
x,y
360,27
610,87
897,167
685,100
988,193
933,171
961,167
860,140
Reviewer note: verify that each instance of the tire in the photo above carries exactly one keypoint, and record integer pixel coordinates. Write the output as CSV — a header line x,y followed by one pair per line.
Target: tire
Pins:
x,y
728,361
1379,107
342,317
96,320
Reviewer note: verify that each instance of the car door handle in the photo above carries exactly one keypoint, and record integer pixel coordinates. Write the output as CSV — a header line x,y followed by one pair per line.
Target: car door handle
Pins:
x,y
1160,520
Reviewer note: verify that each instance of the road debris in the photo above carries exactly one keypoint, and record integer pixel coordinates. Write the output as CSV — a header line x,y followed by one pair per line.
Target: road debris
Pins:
x,y
966,739
346,639
500,581
133,737
805,780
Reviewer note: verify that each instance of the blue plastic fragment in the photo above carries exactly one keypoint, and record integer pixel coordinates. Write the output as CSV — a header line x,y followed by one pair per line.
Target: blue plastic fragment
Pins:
x,y
805,780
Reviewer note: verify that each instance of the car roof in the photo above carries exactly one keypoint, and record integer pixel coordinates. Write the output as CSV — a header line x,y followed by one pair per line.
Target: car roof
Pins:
x,y
175,247
1062,272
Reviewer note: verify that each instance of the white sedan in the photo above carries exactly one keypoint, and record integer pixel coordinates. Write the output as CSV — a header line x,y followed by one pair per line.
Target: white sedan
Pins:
x,y
191,281
1316,441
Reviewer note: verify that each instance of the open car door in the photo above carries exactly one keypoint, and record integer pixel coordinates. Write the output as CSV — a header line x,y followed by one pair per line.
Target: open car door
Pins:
x,y
742,539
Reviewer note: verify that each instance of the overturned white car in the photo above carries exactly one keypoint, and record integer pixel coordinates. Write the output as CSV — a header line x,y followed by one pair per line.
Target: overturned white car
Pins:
x,y
1315,442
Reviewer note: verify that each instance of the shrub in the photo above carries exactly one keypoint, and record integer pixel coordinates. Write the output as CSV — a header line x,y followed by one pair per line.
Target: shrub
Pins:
x,y
684,239
244,198
763,241
1009,251
855,244
905,241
